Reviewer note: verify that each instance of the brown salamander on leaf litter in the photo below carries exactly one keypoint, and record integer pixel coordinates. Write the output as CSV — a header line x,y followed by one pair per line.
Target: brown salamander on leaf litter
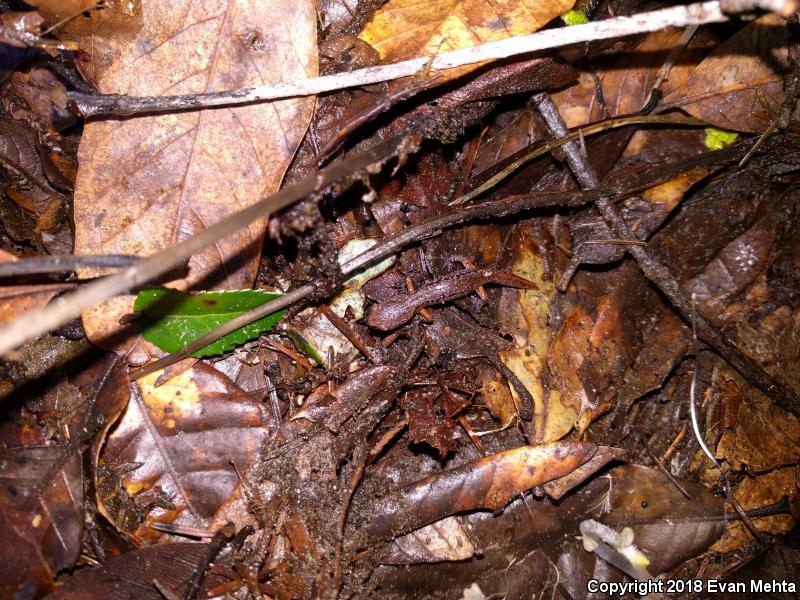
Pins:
x,y
398,310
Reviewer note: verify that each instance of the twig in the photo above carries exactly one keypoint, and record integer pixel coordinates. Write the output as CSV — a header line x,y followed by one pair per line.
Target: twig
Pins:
x,y
500,208
89,105
658,273
588,130
665,472
61,263
67,307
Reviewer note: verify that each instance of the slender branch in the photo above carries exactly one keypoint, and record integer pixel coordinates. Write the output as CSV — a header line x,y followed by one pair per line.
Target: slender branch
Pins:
x,y
64,262
36,322
659,273
90,105
497,209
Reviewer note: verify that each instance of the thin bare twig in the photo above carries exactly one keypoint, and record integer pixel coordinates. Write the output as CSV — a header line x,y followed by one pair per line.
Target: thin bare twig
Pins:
x,y
90,105
64,262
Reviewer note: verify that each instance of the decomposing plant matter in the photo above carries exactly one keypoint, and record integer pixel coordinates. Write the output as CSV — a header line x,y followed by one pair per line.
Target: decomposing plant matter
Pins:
x,y
357,299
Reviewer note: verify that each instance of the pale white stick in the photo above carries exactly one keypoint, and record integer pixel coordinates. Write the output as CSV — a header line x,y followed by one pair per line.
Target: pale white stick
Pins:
x,y
677,16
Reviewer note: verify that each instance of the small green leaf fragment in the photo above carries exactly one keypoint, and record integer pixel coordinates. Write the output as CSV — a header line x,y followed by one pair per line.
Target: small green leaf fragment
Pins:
x,y
717,139
171,318
574,17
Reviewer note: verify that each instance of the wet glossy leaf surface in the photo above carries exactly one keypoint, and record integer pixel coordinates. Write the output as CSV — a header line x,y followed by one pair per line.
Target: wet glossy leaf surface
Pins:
x,y
172,319
169,459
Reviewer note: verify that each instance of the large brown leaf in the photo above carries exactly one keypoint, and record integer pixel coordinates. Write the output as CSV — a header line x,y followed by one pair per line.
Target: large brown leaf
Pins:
x,y
724,89
170,458
144,184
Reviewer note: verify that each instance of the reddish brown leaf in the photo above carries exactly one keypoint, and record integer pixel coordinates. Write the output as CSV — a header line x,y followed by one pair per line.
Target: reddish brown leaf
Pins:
x,y
723,89
131,575
41,516
170,455
484,483
42,487
760,436
626,79
426,423
146,183
17,299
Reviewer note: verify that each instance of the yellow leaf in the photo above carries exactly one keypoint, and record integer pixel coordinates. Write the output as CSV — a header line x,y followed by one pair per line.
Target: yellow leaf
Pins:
x,y
409,28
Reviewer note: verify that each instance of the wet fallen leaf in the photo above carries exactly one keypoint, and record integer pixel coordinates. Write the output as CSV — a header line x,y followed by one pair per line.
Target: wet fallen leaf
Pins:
x,y
760,490
41,482
41,516
428,423
489,482
132,574
668,527
173,319
146,183
761,436
172,450
30,187
723,90
737,265
626,76
525,315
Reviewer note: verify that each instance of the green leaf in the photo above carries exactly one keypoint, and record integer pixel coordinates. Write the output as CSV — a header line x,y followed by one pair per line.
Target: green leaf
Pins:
x,y
173,318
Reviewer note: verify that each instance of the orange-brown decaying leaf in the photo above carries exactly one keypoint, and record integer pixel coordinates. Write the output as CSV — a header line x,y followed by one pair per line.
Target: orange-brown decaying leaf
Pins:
x,y
409,28
489,482
147,183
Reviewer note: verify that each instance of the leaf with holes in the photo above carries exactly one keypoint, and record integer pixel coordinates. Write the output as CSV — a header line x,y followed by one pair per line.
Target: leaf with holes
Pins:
x,y
173,319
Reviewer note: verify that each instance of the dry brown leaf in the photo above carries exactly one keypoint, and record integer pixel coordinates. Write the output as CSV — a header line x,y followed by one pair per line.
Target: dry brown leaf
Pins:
x,y
762,436
723,89
144,184
405,29
625,80
174,445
